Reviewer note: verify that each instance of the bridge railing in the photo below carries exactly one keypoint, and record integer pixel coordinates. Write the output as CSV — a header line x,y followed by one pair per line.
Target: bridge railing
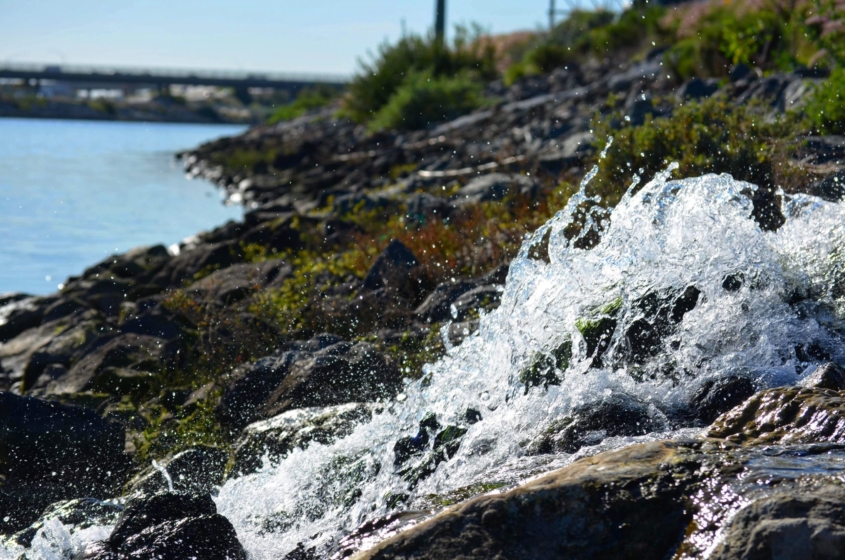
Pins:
x,y
56,70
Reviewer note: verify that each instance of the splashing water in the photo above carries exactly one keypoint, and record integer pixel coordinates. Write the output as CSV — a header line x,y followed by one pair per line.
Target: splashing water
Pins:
x,y
676,286
766,305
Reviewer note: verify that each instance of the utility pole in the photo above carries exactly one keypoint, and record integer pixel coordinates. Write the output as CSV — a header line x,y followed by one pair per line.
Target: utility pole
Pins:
x,y
551,14
440,21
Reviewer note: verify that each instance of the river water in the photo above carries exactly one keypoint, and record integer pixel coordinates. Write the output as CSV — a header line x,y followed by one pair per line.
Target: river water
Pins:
x,y
73,192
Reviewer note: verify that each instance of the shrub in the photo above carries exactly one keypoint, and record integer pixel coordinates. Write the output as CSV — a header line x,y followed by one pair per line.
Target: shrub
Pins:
x,y
306,100
424,99
707,137
378,80
825,109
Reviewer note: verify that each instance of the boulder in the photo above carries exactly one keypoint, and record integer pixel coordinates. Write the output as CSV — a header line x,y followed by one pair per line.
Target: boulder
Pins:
x,y
398,271
169,526
194,471
697,88
495,186
201,259
808,524
826,376
131,351
239,281
436,308
624,504
279,435
51,452
718,396
60,350
589,424
79,513
18,315
784,416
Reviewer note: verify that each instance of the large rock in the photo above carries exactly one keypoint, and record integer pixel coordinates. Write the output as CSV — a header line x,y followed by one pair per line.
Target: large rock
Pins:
x,y
194,471
625,504
278,436
239,281
786,415
128,351
169,526
51,452
791,526
397,271
203,259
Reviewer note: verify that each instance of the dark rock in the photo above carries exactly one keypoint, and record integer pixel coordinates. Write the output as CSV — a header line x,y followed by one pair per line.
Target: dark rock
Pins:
x,y
718,396
697,88
276,237
80,513
278,436
12,297
436,308
169,526
826,376
570,153
138,352
787,415
239,281
624,504
482,297
742,72
60,350
765,90
831,188
204,258
423,207
792,526
495,186
154,322
51,452
589,424
194,471
823,149
326,378
397,270
18,316
62,308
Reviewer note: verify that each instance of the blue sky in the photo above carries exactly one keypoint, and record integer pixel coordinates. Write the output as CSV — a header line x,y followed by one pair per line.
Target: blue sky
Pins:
x,y
282,35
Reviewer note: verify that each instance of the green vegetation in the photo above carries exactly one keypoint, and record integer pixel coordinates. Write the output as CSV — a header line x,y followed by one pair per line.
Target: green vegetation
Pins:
x,y
399,66
713,136
825,108
306,100
423,99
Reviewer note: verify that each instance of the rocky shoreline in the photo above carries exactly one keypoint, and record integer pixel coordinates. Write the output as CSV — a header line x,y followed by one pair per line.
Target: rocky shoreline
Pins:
x,y
299,322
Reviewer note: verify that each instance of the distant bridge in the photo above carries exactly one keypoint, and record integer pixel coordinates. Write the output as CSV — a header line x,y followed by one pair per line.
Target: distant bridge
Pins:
x,y
163,77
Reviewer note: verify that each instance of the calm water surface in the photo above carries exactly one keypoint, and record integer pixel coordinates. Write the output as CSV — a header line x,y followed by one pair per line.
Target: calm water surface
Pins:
x,y
73,192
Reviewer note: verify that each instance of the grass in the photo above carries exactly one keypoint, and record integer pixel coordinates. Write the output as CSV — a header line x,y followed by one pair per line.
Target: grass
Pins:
x,y
307,100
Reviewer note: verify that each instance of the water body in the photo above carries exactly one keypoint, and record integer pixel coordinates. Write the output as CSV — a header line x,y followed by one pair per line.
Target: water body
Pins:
x,y
73,192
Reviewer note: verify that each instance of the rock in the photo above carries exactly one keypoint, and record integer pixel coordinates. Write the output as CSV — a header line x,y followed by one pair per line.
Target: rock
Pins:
x,y
140,261
279,435
397,270
423,207
784,416
789,526
742,71
823,149
697,88
481,298
18,315
624,504
194,471
62,308
51,452
589,424
495,186
571,153
718,396
155,322
276,235
350,373
767,90
826,376
137,352
60,350
239,281
201,259
80,513
169,526
436,308
831,188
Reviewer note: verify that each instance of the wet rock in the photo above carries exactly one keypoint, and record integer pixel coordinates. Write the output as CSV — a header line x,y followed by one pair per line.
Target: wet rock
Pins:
x,y
79,513
495,186
239,281
800,525
137,352
545,368
786,415
357,373
278,436
831,188
718,396
417,457
18,315
826,376
484,298
436,308
193,471
625,504
397,270
169,526
51,452
589,424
